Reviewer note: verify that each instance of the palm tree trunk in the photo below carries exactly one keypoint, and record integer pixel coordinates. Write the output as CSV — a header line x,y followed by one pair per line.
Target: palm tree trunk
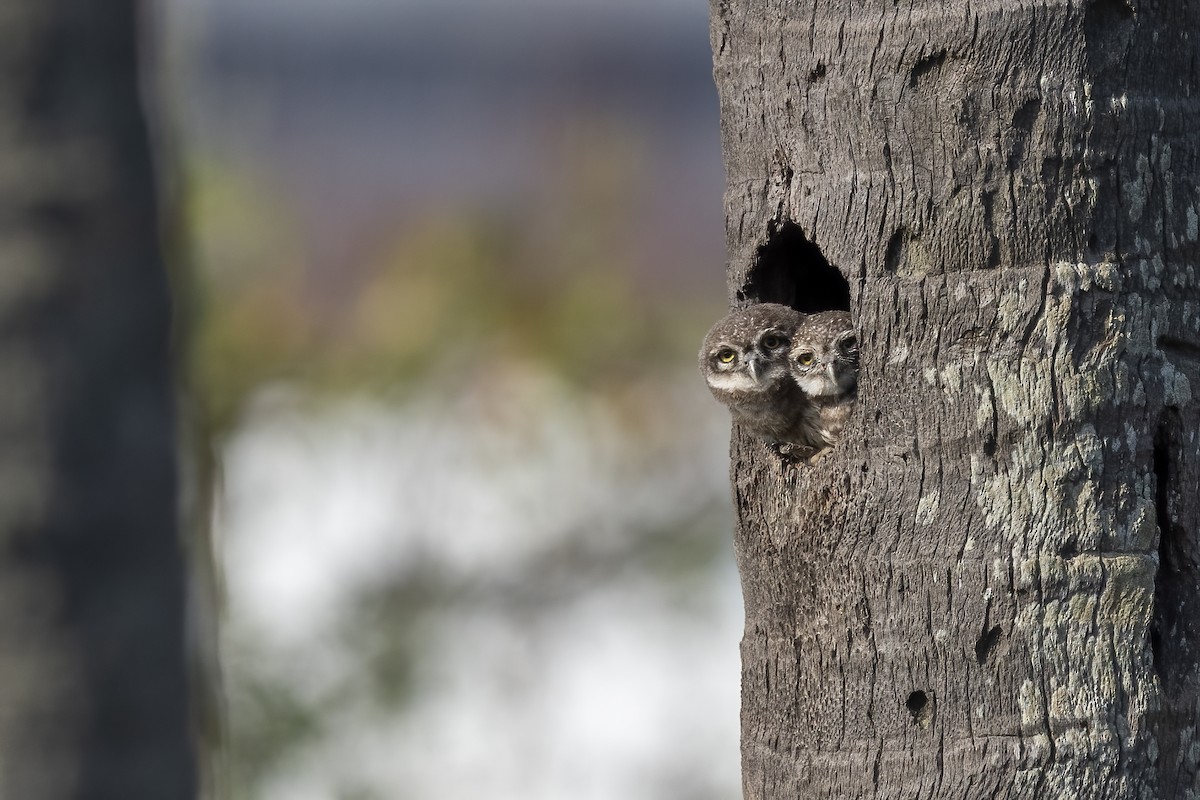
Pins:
x,y
991,588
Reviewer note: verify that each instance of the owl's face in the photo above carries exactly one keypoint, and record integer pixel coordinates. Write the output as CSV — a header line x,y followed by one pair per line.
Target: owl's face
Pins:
x,y
824,355
746,352
747,366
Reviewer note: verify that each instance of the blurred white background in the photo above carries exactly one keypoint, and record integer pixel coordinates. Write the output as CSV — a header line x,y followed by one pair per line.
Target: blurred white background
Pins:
x,y
453,262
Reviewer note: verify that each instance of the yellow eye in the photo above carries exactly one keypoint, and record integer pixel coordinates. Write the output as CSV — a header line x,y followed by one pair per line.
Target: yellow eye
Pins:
x,y
726,356
805,359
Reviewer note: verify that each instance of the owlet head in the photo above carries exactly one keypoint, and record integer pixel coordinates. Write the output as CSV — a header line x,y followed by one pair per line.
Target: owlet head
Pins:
x,y
824,355
746,352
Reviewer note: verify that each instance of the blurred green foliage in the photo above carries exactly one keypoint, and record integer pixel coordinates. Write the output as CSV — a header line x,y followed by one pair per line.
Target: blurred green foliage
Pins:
x,y
449,299
448,295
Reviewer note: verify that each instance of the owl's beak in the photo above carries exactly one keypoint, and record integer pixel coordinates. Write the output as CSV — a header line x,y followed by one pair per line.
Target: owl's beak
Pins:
x,y
754,366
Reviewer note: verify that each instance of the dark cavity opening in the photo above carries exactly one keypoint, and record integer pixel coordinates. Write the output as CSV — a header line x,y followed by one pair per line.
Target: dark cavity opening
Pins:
x,y
1102,15
920,708
1170,645
986,644
895,249
1175,624
1164,473
989,442
1108,33
791,270
924,66
1179,348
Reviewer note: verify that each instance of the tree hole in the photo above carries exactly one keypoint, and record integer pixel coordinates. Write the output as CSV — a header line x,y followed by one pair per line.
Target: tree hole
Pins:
x,y
1177,564
931,63
1164,474
920,707
1173,347
1174,636
986,644
1108,12
989,445
1107,34
791,270
1027,115
895,249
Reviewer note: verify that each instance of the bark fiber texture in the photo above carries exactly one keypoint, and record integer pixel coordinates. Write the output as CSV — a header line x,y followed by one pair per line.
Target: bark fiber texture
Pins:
x,y
990,588
93,695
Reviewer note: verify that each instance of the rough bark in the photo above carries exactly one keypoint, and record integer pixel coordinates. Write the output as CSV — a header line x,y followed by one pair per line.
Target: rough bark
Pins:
x,y
991,588
93,696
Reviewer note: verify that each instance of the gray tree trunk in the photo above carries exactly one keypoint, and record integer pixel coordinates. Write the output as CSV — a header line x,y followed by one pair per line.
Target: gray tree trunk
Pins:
x,y
93,695
990,589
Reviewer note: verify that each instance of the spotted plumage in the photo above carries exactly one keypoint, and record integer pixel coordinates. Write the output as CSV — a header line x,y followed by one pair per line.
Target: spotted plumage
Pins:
x,y
744,361
824,364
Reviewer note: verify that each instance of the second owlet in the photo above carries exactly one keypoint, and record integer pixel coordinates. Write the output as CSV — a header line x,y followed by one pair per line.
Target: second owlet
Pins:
x,y
824,364
744,361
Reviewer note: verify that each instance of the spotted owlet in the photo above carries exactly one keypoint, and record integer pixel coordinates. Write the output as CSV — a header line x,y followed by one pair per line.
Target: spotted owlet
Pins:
x,y
824,363
744,360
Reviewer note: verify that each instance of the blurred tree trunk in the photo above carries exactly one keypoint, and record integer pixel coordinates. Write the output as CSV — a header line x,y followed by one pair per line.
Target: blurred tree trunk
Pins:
x,y
94,695
990,589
